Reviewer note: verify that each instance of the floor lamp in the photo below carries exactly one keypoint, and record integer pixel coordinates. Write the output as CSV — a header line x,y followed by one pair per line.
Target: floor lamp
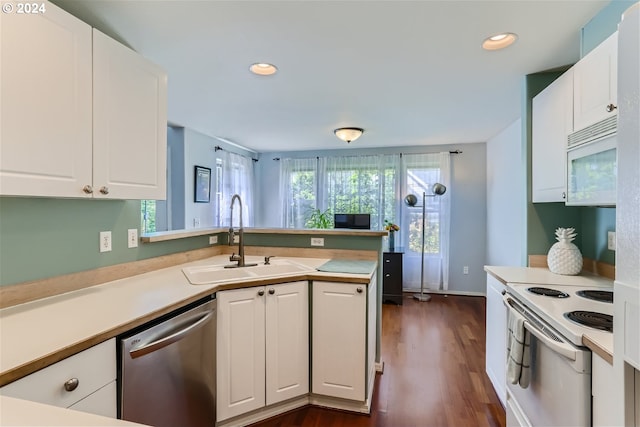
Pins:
x,y
411,200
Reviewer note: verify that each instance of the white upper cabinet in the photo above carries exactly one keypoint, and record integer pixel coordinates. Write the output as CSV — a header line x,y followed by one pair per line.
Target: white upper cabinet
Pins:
x,y
46,113
129,123
552,122
595,84
82,115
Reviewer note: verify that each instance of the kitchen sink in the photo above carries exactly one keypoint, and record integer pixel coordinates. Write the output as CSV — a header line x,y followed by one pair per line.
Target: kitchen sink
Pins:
x,y
212,274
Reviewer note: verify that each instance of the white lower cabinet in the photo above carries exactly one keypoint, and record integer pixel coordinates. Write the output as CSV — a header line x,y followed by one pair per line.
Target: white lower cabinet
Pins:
x,y
606,409
262,347
343,329
85,382
496,337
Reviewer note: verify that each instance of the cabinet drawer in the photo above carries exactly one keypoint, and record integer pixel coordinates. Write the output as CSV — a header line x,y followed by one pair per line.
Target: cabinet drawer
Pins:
x,y
103,402
94,368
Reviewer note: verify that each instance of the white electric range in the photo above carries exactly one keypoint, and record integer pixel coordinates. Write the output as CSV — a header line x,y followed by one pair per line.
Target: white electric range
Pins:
x,y
552,309
559,392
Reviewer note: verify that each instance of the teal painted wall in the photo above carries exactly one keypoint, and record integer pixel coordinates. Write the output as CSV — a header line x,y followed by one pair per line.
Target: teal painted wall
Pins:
x,y
603,25
42,237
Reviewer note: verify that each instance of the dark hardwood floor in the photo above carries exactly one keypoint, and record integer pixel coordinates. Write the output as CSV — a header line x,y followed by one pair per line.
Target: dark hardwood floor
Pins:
x,y
434,371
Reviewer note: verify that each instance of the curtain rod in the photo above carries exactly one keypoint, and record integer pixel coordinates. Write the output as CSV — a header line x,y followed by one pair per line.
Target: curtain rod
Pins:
x,y
218,148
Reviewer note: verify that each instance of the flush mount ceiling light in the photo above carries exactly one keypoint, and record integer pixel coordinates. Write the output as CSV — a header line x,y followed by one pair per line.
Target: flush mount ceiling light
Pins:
x,y
263,69
499,41
349,134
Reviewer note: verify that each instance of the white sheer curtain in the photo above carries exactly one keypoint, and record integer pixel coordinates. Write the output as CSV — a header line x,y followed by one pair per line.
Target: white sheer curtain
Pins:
x,y
420,172
353,184
298,184
237,177
360,184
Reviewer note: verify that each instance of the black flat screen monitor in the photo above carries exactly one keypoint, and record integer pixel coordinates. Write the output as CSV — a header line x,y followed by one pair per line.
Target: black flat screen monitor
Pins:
x,y
355,221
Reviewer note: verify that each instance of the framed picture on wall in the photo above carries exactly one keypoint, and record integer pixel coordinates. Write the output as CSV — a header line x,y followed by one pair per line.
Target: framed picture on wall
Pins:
x,y
202,187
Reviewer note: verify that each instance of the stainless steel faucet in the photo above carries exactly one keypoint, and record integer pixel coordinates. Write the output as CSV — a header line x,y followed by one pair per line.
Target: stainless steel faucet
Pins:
x,y
240,257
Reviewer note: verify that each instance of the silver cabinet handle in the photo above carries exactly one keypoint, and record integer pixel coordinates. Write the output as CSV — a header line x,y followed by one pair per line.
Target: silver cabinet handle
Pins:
x,y
359,290
564,195
71,384
261,292
387,275
104,190
610,108
87,189
272,291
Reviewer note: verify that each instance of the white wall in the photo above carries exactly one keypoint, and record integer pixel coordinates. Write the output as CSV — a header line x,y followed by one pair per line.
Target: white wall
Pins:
x,y
506,198
199,150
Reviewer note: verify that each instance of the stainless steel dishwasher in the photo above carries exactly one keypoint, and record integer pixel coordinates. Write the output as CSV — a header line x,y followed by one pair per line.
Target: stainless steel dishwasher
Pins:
x,y
167,370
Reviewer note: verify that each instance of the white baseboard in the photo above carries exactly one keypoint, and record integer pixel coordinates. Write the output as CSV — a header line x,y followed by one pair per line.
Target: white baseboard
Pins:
x,y
446,292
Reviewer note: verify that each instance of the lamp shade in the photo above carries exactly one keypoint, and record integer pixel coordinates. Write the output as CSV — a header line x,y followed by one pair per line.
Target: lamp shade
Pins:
x,y
437,189
349,134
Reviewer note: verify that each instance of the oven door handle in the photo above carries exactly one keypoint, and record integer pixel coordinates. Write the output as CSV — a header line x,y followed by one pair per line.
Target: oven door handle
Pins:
x,y
561,348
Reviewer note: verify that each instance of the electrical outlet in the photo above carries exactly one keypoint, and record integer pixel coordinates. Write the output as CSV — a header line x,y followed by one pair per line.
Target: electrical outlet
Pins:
x,y
236,238
132,238
213,240
465,269
317,241
611,240
105,241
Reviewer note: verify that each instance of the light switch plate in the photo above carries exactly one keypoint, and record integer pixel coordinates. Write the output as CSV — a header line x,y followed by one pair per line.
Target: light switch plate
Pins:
x,y
132,238
213,240
105,241
611,240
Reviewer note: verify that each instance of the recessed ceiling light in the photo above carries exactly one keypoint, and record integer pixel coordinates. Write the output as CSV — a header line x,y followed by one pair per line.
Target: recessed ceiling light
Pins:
x,y
499,41
263,69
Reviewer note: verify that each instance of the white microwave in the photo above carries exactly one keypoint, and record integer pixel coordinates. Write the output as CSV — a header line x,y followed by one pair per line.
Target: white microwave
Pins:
x,y
592,171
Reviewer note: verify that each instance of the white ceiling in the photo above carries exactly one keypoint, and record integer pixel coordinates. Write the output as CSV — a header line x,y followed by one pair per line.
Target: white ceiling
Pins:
x,y
408,72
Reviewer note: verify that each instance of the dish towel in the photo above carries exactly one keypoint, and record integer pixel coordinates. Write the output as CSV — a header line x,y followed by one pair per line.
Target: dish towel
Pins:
x,y
518,351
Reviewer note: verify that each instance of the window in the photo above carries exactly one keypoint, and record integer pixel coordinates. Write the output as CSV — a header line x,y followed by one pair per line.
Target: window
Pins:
x,y
362,184
419,173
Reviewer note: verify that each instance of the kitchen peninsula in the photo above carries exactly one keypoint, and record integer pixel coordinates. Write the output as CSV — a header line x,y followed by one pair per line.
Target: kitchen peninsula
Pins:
x,y
74,320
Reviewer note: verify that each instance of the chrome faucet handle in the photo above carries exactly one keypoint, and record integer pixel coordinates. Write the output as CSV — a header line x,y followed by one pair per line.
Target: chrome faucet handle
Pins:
x,y
234,257
267,258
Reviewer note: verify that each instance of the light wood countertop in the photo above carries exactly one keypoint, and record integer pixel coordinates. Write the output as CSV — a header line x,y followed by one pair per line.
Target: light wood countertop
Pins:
x,y
162,236
39,333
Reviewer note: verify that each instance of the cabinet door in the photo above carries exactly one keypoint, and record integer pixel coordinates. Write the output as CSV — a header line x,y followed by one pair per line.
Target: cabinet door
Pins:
x,y
129,123
607,407
552,117
339,340
240,351
287,341
496,337
45,93
372,312
595,84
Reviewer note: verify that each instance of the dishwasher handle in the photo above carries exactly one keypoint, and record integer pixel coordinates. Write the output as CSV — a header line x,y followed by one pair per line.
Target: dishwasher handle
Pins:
x,y
170,339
